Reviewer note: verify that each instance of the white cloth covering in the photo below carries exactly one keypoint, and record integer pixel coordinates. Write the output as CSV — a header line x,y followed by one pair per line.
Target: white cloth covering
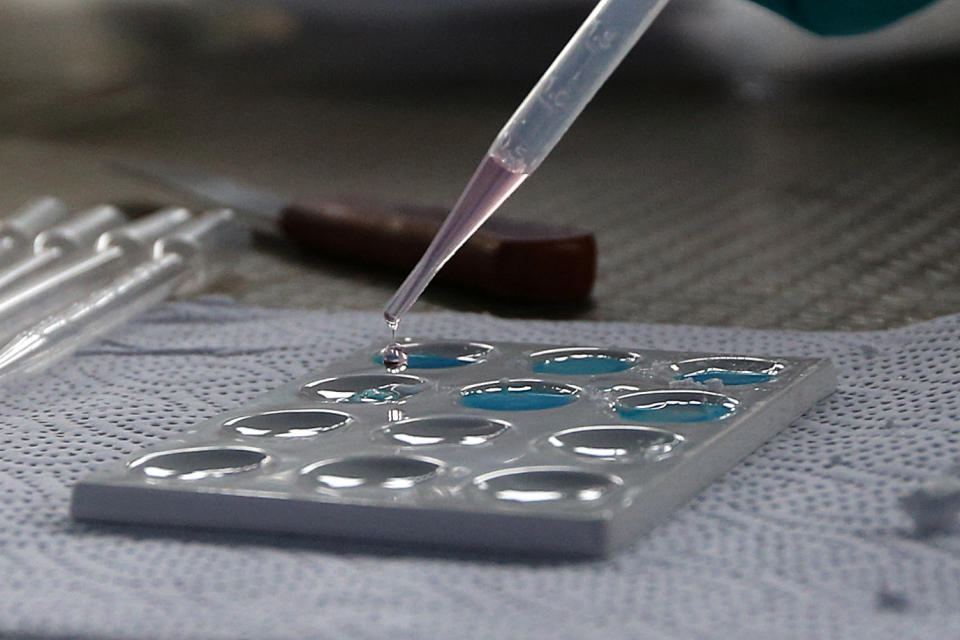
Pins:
x,y
802,540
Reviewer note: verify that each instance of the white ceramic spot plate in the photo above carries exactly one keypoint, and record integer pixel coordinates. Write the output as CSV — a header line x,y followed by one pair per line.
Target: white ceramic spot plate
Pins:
x,y
411,464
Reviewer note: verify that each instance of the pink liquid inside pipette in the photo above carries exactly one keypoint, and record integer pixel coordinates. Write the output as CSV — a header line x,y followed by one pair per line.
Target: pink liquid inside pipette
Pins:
x,y
491,184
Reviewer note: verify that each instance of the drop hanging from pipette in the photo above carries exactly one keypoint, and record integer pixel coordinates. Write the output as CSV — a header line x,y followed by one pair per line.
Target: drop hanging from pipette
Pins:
x,y
394,357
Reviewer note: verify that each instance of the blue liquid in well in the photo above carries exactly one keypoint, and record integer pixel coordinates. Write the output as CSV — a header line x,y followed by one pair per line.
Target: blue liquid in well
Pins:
x,y
731,378
428,361
581,364
506,400
676,412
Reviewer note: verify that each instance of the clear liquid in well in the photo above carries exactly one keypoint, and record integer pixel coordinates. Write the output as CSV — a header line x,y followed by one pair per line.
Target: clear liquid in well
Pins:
x,y
730,378
675,406
546,485
616,442
730,371
587,361
445,430
366,388
387,472
199,462
287,423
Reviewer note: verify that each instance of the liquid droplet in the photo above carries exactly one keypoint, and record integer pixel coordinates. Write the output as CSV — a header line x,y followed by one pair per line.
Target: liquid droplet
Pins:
x,y
394,358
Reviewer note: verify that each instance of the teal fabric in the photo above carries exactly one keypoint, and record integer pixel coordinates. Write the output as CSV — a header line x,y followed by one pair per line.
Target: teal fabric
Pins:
x,y
844,17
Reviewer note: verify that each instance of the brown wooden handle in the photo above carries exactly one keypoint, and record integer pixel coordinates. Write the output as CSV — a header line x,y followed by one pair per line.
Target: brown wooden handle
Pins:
x,y
520,260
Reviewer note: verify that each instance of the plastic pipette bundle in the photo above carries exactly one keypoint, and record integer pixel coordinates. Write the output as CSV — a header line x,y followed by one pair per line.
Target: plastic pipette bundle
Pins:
x,y
60,243
596,49
18,230
116,251
180,263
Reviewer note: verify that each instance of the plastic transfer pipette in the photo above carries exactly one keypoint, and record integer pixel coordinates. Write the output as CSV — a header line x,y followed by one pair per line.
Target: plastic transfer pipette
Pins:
x,y
543,117
59,243
117,250
18,230
180,263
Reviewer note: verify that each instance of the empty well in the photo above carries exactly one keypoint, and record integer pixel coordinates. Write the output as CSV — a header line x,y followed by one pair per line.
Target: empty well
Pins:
x,y
441,355
199,462
518,395
288,423
385,472
616,442
546,484
365,388
675,406
729,370
435,430
583,361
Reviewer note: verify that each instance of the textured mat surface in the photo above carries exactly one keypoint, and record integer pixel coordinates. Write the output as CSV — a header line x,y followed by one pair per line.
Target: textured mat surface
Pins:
x,y
828,206
802,540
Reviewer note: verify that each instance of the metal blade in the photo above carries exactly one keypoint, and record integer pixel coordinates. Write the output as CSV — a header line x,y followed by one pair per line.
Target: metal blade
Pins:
x,y
259,209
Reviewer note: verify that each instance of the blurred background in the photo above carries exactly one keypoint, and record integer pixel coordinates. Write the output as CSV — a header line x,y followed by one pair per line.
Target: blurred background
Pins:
x,y
736,170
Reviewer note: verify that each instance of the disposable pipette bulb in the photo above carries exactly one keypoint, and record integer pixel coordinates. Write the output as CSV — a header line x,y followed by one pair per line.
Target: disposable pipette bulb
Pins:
x,y
139,236
597,48
117,250
18,230
58,243
209,242
60,334
81,229
179,263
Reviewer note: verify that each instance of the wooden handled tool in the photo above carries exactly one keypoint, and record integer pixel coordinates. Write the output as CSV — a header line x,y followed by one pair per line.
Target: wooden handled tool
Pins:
x,y
507,258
